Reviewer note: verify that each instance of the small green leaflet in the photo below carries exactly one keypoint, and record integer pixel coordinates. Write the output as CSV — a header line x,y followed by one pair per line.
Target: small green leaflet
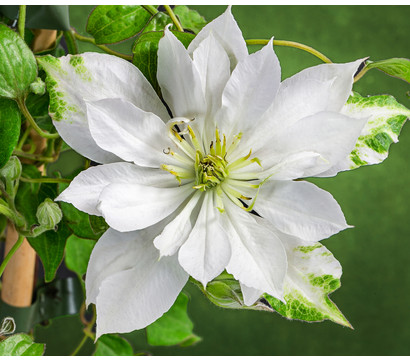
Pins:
x,y
77,254
145,52
113,345
396,67
190,19
9,128
21,345
174,327
313,274
110,24
18,68
386,118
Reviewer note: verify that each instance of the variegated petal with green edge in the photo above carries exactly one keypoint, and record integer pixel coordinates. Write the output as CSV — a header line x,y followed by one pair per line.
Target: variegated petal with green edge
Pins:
x,y
385,120
72,80
313,273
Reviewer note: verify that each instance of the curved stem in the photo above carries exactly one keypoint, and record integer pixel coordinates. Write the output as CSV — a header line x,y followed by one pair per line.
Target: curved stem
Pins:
x,y
46,180
23,108
150,8
102,47
23,138
361,73
36,157
173,18
291,44
71,42
22,20
87,333
11,253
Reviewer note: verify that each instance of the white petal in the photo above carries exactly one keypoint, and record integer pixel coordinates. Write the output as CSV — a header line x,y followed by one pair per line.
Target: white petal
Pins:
x,y
227,32
301,209
258,257
121,128
330,134
84,191
129,207
130,287
177,231
250,91
212,63
179,78
340,75
250,295
206,252
72,80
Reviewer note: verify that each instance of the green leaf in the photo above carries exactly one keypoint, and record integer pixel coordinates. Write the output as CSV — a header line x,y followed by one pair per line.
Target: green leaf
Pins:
x,y
18,68
174,327
109,24
113,345
190,19
77,254
49,245
313,273
396,67
37,105
385,120
145,51
21,345
10,122
158,22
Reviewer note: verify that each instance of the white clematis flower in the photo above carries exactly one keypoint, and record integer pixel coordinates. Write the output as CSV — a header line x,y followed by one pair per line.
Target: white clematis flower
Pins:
x,y
177,191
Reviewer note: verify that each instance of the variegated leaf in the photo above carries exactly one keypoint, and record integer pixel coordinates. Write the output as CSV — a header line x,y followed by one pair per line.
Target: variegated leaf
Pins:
x,y
313,274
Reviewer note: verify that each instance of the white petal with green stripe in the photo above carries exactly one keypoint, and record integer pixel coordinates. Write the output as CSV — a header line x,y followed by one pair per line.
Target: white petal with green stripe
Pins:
x,y
385,120
313,273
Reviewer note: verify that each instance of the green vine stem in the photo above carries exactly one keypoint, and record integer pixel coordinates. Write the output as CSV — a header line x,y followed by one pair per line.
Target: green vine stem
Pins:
x,y
46,180
87,330
150,8
23,108
22,20
291,44
173,18
30,156
11,253
102,47
71,42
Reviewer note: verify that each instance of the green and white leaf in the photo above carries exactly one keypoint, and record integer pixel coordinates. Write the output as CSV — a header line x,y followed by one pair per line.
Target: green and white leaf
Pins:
x,y
113,345
18,68
385,120
174,327
21,345
313,274
396,67
109,24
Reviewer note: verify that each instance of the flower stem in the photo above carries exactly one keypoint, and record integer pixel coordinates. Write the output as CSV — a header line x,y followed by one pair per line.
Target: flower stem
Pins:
x,y
22,20
291,44
32,156
173,18
86,330
23,108
46,180
102,47
71,42
11,253
150,8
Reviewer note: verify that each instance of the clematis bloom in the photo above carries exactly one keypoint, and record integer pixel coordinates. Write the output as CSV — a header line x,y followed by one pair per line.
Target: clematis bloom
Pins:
x,y
208,185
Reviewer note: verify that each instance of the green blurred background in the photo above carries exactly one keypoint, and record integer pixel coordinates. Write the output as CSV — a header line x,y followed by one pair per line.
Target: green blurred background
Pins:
x,y
375,292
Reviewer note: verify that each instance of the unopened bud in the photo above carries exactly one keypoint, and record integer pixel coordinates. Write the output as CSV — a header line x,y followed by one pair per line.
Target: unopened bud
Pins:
x,y
12,169
49,214
38,87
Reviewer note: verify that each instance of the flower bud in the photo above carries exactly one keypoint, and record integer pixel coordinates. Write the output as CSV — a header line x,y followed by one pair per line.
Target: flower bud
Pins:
x,y
38,87
49,214
12,169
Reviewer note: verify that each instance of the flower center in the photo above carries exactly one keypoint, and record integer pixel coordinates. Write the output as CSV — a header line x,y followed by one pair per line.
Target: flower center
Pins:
x,y
210,171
